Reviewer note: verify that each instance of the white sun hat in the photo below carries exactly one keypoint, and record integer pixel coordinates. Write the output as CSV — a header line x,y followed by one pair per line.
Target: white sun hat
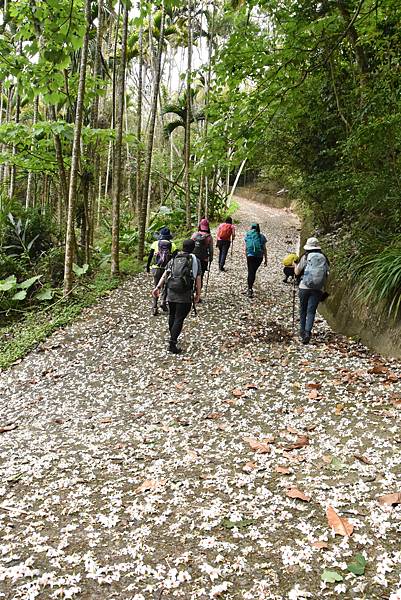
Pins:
x,y
312,243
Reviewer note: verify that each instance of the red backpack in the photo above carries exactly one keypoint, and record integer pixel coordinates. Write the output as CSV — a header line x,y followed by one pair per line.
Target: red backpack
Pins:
x,y
225,231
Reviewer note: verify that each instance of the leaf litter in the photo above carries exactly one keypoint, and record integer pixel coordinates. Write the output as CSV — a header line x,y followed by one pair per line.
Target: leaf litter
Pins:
x,y
142,491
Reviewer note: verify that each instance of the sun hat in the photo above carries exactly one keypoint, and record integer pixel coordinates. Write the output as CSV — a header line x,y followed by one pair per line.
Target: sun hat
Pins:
x,y
312,243
164,234
204,225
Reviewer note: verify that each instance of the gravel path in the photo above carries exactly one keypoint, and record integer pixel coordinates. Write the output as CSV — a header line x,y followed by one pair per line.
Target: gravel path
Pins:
x,y
139,475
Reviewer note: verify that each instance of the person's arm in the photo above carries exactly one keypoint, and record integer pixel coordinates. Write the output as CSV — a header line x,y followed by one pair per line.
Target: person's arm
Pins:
x,y
150,258
156,291
300,266
197,288
265,254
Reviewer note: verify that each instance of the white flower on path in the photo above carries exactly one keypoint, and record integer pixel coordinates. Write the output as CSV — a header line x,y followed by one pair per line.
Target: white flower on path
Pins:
x,y
217,590
396,595
297,594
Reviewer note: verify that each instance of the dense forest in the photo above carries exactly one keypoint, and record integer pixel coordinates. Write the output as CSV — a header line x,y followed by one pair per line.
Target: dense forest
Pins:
x,y
119,117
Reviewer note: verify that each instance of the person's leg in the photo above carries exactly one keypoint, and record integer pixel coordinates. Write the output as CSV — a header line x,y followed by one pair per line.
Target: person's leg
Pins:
x,y
220,247
313,301
303,307
251,271
157,274
180,313
223,254
204,269
171,315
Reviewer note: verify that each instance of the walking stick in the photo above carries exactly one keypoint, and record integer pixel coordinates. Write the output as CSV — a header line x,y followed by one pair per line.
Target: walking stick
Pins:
x,y
293,306
232,248
207,279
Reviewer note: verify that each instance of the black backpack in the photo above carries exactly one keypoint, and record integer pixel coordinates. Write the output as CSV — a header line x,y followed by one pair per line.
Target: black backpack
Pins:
x,y
201,249
181,278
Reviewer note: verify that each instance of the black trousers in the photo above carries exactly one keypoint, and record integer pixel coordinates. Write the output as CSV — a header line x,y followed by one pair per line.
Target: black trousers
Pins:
x,y
223,246
254,263
178,311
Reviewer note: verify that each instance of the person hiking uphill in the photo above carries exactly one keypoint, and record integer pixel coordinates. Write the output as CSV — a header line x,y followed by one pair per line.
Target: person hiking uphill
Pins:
x,y
161,251
313,269
182,278
203,246
255,251
225,235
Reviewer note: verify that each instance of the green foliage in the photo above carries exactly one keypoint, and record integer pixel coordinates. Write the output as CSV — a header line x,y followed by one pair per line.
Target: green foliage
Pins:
x,y
381,279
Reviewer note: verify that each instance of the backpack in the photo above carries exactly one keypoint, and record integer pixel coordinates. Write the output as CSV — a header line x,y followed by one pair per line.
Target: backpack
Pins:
x,y
315,272
163,253
253,243
201,249
225,231
181,278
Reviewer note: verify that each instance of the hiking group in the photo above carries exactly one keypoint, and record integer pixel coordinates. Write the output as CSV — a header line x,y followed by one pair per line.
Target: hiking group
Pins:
x,y
179,274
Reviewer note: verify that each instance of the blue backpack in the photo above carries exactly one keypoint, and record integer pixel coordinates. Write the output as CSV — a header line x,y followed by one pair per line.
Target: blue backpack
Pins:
x,y
253,243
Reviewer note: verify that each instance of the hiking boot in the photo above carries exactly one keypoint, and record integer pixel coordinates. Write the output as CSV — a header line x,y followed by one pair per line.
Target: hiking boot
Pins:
x,y
222,269
306,338
173,348
250,293
164,307
285,280
155,312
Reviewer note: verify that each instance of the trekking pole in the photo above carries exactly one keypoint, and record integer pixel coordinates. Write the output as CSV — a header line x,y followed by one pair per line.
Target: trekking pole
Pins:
x,y
232,248
193,305
293,307
207,279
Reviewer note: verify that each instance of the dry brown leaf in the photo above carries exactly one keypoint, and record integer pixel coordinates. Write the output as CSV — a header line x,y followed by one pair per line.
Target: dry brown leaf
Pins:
x,y
313,395
249,466
320,545
270,439
293,457
339,408
221,426
237,393
148,485
340,525
292,430
58,421
230,401
105,420
8,427
254,444
297,494
378,369
390,499
251,386
302,441
362,459
299,410
213,416
327,458
314,385
282,470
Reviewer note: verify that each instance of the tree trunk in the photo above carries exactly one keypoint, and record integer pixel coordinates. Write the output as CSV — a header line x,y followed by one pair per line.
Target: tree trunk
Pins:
x,y
115,231
60,161
187,147
13,172
138,179
151,133
70,233
29,184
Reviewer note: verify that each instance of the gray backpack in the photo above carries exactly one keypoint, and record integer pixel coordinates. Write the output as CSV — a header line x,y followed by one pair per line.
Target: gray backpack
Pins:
x,y
315,273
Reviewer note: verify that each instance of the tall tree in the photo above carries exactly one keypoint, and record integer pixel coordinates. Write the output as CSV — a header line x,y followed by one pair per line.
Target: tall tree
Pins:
x,y
117,184
76,148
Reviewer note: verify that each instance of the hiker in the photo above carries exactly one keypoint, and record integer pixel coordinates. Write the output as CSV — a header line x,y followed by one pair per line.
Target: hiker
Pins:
x,y
225,235
182,278
288,262
255,251
203,246
312,269
161,251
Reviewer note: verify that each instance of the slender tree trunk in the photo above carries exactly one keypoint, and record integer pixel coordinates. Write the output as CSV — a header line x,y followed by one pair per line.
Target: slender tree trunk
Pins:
x,y
138,179
115,232
151,133
230,197
60,161
13,172
70,237
187,147
29,184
